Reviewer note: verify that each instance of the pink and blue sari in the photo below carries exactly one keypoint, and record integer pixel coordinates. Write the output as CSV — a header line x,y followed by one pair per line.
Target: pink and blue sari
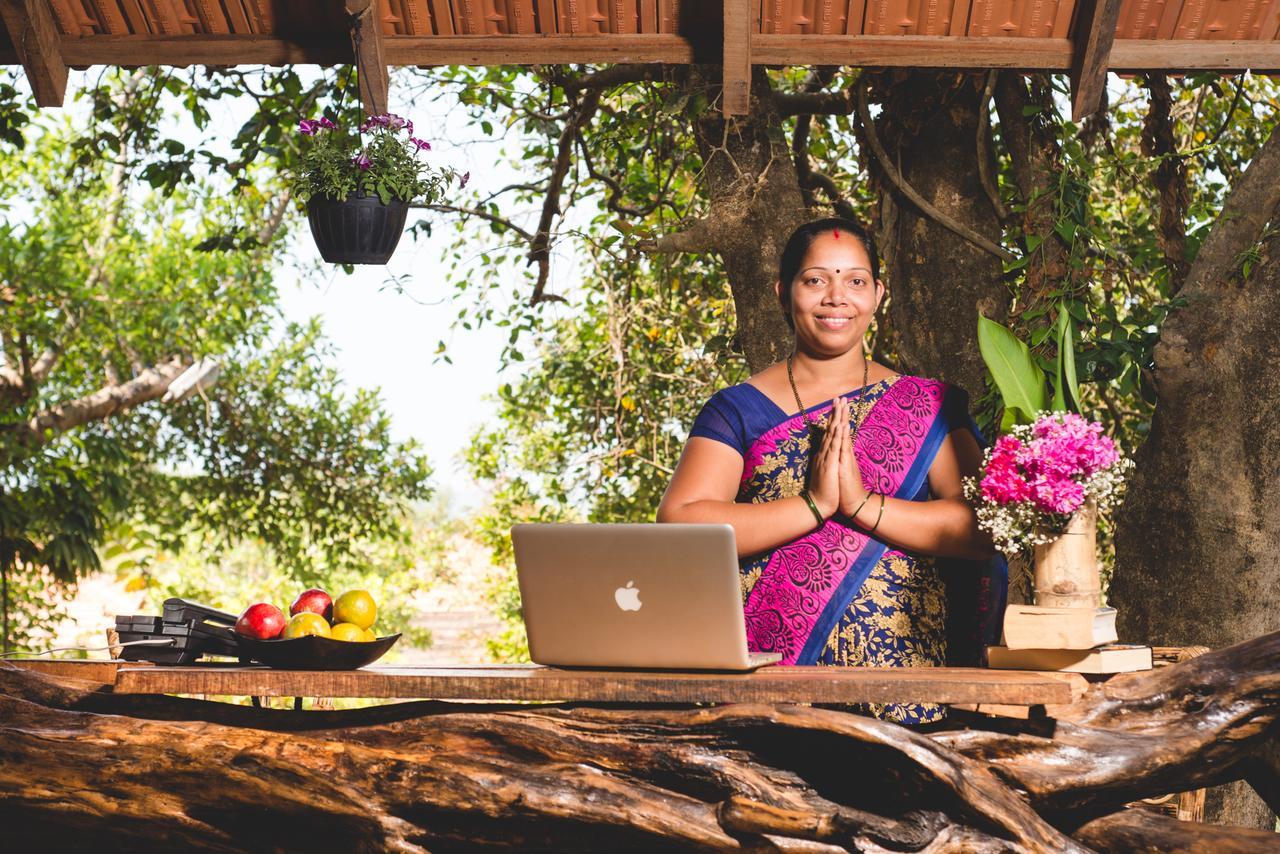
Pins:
x,y
838,595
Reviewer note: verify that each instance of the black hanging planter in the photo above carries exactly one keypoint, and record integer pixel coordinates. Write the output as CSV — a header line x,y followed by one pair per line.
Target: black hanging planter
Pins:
x,y
361,230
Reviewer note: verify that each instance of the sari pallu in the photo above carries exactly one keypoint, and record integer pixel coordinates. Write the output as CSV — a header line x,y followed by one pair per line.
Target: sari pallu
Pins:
x,y
799,597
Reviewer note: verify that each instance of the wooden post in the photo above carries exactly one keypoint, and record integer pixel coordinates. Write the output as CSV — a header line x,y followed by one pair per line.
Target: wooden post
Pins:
x,y
1091,40
738,27
367,46
35,37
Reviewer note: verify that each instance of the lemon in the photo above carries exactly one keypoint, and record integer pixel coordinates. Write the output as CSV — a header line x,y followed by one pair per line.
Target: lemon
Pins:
x,y
355,606
348,632
368,635
307,623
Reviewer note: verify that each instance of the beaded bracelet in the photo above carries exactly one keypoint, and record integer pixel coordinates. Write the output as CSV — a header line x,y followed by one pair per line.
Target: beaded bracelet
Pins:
x,y
808,499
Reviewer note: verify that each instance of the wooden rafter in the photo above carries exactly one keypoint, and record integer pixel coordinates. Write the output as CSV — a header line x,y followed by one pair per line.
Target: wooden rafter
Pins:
x,y
1038,54
35,38
738,27
1092,39
369,46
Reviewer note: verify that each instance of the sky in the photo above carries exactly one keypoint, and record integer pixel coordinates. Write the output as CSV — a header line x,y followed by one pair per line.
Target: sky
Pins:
x,y
385,336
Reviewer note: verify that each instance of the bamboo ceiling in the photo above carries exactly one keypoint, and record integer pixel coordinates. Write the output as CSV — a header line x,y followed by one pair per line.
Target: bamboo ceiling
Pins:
x,y
1084,37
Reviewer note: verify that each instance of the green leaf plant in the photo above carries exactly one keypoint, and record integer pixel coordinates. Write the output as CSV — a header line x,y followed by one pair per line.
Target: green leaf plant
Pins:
x,y
1023,386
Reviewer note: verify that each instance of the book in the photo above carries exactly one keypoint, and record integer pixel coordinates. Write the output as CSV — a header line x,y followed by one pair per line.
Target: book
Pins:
x,y
1041,627
1113,658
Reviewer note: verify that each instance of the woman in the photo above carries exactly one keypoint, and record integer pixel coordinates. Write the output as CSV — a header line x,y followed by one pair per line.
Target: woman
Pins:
x,y
853,534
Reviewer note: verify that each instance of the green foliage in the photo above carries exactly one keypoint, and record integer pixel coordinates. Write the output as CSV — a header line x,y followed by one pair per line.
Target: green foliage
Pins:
x,y
102,278
1020,380
384,161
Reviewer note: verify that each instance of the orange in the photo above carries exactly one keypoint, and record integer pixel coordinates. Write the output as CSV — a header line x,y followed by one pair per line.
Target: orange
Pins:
x,y
348,632
307,623
368,635
355,606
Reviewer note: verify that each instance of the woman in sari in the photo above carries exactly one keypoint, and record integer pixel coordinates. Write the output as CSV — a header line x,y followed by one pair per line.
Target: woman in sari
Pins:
x,y
842,482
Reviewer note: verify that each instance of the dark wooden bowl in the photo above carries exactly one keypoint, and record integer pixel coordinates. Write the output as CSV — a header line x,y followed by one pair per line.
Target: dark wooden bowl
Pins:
x,y
314,653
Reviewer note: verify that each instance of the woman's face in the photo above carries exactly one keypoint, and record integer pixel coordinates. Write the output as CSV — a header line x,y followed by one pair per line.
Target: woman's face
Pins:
x,y
834,296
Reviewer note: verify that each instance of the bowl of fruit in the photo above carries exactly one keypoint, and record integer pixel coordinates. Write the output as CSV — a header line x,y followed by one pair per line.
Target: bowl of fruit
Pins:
x,y
320,633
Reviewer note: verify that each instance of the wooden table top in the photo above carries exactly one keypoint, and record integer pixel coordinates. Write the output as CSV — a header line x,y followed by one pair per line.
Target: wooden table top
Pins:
x,y
536,683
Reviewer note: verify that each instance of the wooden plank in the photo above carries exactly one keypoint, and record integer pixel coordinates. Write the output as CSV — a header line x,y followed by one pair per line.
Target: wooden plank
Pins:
x,y
735,99
36,41
442,16
534,683
855,12
648,16
92,671
417,17
371,66
1091,43
109,14
237,17
867,51
521,18
212,18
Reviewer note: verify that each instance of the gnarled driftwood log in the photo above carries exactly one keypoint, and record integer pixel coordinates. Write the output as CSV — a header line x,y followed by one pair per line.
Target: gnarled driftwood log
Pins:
x,y
82,769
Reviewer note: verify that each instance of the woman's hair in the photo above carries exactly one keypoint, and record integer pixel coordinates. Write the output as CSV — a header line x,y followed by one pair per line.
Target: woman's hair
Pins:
x,y
801,239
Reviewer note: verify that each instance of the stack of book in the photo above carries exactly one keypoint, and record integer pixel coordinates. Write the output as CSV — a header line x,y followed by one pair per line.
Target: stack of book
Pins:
x,y
1076,640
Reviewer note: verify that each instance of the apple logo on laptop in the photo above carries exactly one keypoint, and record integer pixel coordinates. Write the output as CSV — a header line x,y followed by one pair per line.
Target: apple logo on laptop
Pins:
x,y
628,598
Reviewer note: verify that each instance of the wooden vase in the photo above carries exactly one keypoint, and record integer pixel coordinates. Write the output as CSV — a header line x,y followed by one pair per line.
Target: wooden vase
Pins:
x,y
1066,569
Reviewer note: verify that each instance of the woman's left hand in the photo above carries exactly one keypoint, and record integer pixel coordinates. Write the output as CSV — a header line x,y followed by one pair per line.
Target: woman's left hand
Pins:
x,y
852,492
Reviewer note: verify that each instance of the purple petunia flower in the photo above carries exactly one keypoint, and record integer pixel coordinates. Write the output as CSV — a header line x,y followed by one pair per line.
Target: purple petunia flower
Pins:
x,y
393,122
420,144
466,176
327,124
363,162
307,128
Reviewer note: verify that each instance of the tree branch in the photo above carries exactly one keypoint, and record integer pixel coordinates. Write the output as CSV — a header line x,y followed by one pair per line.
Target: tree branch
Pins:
x,y
540,246
1250,206
701,236
147,385
482,214
606,78
895,178
988,181
1171,177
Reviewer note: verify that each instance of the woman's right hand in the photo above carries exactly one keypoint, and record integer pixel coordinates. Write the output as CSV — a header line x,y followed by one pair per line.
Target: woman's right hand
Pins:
x,y
824,478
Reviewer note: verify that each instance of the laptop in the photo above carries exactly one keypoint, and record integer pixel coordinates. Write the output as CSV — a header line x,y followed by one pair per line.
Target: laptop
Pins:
x,y
641,596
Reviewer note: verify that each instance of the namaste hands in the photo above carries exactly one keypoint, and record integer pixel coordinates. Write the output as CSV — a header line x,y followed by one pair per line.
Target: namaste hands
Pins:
x,y
836,482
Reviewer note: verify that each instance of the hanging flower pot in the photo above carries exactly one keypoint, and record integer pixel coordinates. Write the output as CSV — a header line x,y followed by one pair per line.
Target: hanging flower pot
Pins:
x,y
358,189
360,230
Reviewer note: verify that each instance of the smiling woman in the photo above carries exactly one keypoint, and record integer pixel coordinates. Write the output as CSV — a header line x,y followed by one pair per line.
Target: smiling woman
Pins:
x,y
855,543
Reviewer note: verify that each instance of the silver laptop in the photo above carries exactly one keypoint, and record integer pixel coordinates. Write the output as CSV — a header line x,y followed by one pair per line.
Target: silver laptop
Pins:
x,y
659,596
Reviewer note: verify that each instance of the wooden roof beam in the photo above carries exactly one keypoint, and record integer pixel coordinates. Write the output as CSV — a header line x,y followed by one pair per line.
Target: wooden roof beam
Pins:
x,y
735,99
1092,37
39,47
368,43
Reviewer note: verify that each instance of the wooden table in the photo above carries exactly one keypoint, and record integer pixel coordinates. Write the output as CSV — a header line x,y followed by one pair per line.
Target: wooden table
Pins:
x,y
536,683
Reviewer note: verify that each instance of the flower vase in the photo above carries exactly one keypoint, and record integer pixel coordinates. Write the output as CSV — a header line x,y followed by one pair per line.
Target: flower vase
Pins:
x,y
359,230
1066,569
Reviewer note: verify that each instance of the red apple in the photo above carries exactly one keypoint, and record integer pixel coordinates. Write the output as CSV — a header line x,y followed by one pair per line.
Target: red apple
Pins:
x,y
263,621
314,600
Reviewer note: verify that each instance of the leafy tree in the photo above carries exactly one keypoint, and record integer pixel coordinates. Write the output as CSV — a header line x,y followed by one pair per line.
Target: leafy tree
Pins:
x,y
110,292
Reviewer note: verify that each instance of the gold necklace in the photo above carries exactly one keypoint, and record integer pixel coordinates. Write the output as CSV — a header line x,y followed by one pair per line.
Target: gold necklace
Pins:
x,y
859,412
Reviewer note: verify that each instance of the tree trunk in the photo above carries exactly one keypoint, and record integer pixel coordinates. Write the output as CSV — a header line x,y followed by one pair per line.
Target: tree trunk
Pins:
x,y
82,769
1198,536
938,281
755,204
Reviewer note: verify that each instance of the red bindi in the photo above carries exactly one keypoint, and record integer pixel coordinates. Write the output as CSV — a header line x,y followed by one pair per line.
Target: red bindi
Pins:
x,y
835,232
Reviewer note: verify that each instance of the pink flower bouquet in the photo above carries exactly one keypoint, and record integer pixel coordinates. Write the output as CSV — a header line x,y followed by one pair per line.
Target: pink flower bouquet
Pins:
x,y
1037,475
